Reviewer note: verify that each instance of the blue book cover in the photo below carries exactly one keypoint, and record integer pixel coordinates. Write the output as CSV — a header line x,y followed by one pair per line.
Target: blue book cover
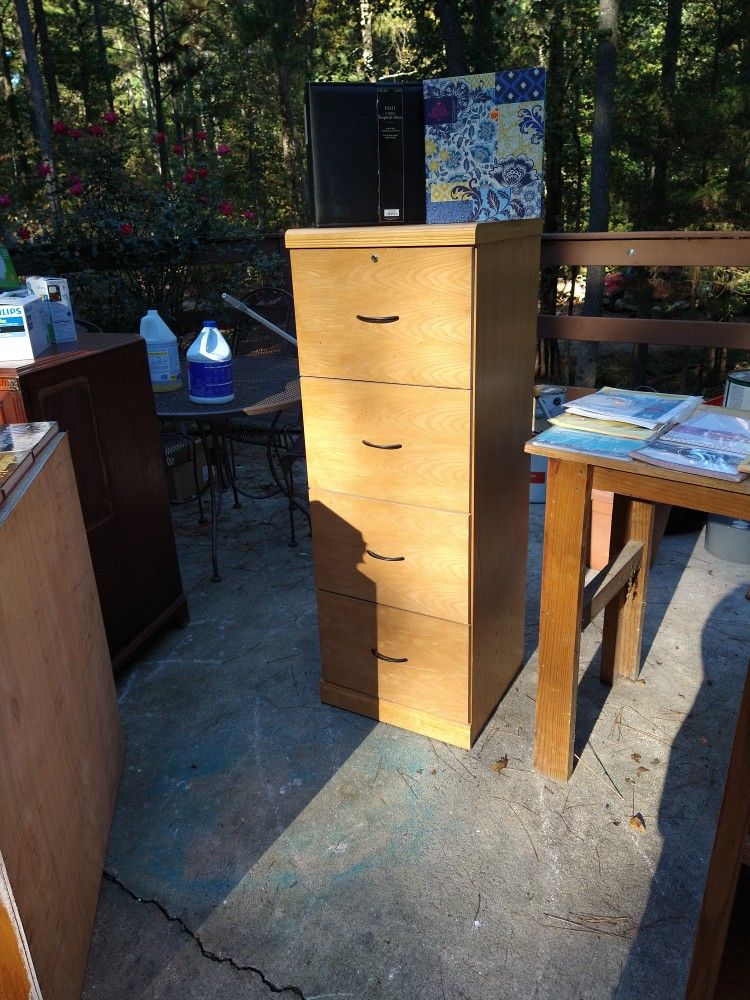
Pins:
x,y
484,142
603,445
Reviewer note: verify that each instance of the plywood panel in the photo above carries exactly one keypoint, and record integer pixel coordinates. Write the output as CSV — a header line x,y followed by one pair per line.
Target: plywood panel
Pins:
x,y
407,557
418,450
17,977
385,314
507,276
60,736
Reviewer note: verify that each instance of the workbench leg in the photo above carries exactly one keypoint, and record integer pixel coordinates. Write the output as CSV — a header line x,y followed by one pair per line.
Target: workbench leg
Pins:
x,y
566,531
632,520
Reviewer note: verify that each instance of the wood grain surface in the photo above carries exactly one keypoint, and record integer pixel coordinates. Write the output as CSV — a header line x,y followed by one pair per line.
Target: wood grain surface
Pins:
x,y
426,564
60,736
566,528
507,277
432,426
455,234
435,675
413,719
17,976
425,292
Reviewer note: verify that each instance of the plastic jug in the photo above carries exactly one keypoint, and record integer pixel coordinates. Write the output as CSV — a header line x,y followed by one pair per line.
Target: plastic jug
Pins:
x,y
163,357
209,362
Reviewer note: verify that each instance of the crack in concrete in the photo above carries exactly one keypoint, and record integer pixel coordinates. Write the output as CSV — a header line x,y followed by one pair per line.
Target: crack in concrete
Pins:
x,y
206,952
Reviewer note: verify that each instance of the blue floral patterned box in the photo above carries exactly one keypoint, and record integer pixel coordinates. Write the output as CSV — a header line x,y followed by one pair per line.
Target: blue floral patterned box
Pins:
x,y
484,141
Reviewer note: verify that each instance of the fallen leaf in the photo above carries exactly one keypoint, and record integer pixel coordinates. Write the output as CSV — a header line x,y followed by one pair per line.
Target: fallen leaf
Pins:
x,y
501,764
637,823
640,680
704,741
433,770
636,757
655,761
642,770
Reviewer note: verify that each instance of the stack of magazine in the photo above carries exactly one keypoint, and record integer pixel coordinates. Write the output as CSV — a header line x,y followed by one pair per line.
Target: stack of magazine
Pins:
x,y
659,428
615,423
20,444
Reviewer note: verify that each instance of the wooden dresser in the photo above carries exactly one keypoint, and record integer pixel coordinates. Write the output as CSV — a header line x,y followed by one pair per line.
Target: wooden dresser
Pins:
x,y
416,347
98,390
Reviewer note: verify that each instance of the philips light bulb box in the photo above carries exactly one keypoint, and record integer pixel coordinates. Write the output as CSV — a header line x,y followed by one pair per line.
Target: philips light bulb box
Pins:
x,y
24,326
54,292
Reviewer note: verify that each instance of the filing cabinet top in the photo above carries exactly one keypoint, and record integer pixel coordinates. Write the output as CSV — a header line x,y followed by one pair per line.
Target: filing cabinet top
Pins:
x,y
455,234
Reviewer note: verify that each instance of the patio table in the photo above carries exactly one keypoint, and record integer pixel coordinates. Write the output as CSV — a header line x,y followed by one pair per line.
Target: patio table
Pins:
x,y
261,385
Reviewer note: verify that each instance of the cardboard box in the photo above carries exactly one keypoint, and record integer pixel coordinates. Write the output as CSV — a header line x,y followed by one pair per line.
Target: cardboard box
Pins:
x,y
181,478
24,326
55,292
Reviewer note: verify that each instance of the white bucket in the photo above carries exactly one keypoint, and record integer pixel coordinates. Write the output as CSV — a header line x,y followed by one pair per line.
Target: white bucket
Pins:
x,y
538,479
737,389
728,538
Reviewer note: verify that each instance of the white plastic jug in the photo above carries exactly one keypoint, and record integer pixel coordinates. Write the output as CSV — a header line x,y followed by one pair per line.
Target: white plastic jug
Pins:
x,y
209,363
163,356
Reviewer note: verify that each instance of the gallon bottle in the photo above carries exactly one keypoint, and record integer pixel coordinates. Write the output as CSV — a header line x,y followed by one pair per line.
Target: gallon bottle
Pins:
x,y
209,361
163,357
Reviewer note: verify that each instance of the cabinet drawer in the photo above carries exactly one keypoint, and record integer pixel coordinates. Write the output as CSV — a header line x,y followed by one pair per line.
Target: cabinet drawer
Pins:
x,y
431,668
404,317
419,441
407,557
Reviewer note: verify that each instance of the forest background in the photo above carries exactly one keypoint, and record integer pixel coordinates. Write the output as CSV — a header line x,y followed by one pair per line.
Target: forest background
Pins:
x,y
141,136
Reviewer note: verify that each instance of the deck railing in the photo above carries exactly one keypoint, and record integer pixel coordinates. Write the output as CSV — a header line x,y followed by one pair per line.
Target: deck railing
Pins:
x,y
647,249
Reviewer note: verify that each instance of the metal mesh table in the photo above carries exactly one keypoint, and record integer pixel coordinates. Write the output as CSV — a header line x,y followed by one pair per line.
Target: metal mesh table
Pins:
x,y
261,385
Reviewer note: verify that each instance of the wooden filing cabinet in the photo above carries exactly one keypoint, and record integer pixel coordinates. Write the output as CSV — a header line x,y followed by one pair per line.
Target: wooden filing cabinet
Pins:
x,y
416,347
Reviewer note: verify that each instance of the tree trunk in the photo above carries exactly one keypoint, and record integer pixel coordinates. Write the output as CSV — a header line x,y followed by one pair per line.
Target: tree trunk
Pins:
x,y
20,159
453,37
481,36
101,52
365,24
84,65
601,149
153,54
48,59
290,151
665,138
548,356
38,105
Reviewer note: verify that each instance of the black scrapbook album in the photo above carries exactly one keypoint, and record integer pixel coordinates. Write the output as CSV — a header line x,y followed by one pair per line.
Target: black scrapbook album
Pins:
x,y
365,146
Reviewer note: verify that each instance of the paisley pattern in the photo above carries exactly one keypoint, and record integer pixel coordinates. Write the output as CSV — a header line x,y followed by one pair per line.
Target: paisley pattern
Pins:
x,y
484,140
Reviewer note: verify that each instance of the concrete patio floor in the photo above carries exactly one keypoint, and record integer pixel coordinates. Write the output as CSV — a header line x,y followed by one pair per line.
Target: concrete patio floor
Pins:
x,y
265,843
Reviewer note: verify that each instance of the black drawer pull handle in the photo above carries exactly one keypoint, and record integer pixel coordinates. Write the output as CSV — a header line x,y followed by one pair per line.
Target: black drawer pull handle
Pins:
x,y
378,319
389,659
385,558
383,447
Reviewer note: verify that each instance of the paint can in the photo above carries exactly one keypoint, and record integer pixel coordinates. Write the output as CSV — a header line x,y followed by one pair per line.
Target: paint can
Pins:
x,y
548,401
737,389
728,538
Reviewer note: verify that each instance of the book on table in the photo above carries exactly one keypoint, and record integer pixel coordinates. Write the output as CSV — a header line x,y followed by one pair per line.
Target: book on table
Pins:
x,y
593,425
651,410
709,443
600,445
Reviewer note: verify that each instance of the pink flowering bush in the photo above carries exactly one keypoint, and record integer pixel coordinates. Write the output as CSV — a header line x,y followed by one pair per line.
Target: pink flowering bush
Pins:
x,y
128,242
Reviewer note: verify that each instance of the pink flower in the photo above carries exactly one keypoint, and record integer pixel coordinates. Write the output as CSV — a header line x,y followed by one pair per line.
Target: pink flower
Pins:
x,y
110,117
4,200
169,185
190,176
75,133
201,134
160,137
126,229
59,128
96,130
75,185
178,148
248,214
43,169
222,149
23,233
226,208
202,172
